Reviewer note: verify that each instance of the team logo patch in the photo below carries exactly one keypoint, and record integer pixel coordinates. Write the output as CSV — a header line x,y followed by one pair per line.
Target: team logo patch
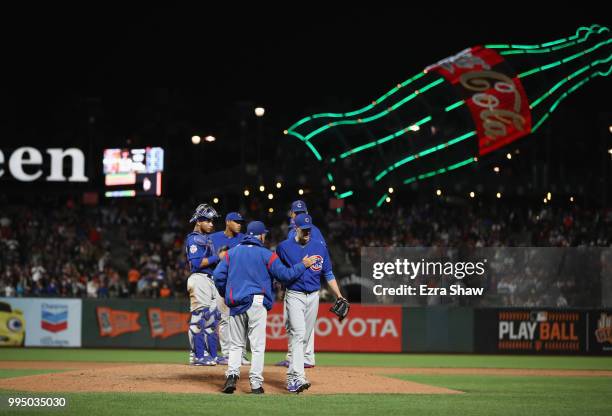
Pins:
x,y
193,248
318,264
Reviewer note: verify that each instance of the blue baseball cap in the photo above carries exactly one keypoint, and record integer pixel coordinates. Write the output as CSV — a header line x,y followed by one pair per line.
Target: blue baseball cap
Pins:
x,y
234,216
299,206
303,221
256,228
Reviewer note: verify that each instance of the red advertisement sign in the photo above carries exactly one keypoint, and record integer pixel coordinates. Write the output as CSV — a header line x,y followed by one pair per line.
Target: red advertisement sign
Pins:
x,y
164,324
113,322
367,329
496,98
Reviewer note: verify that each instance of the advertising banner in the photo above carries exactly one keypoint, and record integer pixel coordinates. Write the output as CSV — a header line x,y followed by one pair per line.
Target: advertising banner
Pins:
x,y
41,322
530,331
368,328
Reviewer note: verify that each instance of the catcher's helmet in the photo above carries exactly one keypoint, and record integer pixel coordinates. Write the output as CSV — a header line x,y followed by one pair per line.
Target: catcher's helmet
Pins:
x,y
204,212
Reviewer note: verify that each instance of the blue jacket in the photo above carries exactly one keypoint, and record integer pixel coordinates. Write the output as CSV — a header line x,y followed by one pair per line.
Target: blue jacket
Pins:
x,y
248,270
315,233
198,246
290,251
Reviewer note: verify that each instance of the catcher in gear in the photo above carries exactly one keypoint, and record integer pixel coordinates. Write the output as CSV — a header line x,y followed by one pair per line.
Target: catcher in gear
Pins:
x,y
203,295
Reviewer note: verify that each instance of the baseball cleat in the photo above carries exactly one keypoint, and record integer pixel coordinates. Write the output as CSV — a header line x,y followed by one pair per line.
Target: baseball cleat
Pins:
x,y
309,365
297,386
206,361
283,363
230,384
222,360
258,390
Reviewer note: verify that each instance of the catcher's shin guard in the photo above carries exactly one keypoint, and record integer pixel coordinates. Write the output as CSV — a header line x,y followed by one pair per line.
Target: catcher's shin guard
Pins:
x,y
196,335
210,321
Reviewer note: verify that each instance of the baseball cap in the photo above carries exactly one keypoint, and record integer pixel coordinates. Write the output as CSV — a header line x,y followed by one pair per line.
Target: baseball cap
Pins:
x,y
299,206
256,228
234,216
303,221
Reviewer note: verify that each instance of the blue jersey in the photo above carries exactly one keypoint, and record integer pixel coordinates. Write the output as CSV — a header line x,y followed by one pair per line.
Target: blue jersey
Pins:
x,y
290,252
248,270
197,247
219,240
315,233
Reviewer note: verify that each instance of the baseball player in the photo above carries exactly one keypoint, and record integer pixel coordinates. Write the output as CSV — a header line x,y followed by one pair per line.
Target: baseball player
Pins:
x,y
298,207
302,295
224,240
202,292
244,278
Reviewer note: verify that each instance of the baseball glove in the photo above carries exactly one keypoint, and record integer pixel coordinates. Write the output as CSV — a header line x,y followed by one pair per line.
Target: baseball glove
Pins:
x,y
341,308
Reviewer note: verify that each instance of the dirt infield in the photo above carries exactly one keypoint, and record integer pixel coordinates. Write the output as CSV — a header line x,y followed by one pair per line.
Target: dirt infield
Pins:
x,y
177,378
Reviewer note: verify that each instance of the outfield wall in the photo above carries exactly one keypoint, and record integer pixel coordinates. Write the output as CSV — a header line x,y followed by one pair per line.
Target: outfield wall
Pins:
x,y
147,323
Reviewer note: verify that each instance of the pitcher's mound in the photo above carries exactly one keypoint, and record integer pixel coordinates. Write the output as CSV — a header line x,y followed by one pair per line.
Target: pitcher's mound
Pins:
x,y
177,378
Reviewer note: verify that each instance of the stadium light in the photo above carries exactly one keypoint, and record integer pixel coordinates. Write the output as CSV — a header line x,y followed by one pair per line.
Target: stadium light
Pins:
x,y
610,151
196,139
548,196
210,139
496,169
390,190
439,192
246,192
301,192
472,194
260,111
545,200
571,199
333,187
262,188
610,129
498,195
270,210
388,199
508,156
285,131
270,196
278,185
215,200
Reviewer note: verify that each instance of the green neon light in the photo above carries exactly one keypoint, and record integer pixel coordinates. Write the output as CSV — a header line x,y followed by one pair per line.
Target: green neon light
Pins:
x,y
381,200
361,110
571,90
438,171
384,139
567,45
567,59
590,30
330,177
453,106
375,116
333,160
566,79
554,42
314,151
425,152
345,195
539,123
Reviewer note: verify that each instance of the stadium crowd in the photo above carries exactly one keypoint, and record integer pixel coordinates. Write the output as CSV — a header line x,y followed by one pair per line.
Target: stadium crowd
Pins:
x,y
136,250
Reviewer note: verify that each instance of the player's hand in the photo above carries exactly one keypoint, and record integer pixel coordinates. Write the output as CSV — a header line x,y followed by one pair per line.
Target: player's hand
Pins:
x,y
309,261
222,254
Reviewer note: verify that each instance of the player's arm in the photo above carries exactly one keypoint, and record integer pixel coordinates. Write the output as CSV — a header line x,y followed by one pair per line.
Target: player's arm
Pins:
x,y
329,275
220,275
284,274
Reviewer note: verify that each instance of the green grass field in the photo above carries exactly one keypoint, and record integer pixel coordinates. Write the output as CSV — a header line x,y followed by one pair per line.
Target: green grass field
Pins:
x,y
484,395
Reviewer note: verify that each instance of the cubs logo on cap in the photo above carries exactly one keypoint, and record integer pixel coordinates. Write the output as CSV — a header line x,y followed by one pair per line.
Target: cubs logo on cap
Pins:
x,y
298,206
303,221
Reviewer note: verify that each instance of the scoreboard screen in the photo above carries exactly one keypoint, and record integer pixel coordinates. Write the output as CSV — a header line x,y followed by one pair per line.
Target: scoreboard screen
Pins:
x,y
133,172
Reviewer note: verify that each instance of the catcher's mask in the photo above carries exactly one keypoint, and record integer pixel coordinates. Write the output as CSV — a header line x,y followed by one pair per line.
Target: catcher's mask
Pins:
x,y
204,212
